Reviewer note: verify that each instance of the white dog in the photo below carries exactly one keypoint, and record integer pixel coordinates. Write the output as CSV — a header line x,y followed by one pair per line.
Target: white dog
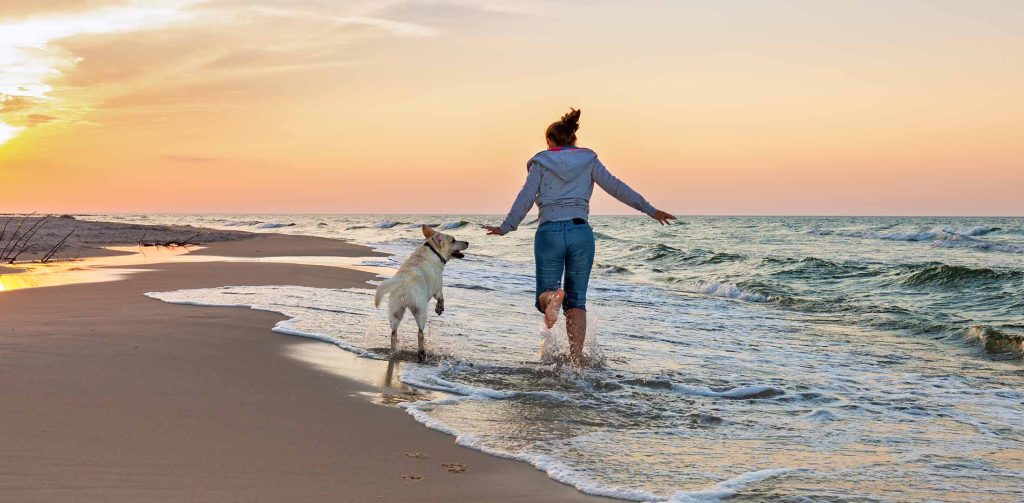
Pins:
x,y
417,281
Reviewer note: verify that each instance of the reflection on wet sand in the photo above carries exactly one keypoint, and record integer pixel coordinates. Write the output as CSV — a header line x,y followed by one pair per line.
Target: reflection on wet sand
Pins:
x,y
383,375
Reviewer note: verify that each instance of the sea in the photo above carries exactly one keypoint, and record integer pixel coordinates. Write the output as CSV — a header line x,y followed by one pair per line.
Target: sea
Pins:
x,y
741,358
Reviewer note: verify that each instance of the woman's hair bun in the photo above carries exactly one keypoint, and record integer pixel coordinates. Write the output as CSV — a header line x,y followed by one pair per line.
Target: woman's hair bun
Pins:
x,y
563,132
572,119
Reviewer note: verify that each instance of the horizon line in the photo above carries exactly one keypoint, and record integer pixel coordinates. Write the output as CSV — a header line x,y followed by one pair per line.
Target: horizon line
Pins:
x,y
680,215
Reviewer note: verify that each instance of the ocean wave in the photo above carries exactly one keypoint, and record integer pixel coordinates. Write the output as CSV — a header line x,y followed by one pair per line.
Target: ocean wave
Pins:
x,y
242,223
274,225
665,255
729,488
741,392
814,268
453,225
954,275
978,244
979,230
821,415
731,292
612,269
722,257
933,233
386,225
996,341
658,252
943,237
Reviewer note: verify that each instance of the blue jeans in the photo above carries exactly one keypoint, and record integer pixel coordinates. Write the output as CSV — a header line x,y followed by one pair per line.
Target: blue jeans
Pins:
x,y
565,246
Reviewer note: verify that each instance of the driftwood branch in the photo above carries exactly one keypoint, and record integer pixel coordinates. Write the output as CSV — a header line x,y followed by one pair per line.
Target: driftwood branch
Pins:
x,y
19,242
56,248
25,241
3,232
173,243
6,250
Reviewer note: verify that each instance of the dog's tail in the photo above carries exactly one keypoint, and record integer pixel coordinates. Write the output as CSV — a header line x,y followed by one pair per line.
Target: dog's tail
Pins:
x,y
385,288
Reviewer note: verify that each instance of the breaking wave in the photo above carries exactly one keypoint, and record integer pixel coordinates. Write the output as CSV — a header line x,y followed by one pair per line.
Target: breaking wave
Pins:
x,y
453,225
241,223
274,225
730,292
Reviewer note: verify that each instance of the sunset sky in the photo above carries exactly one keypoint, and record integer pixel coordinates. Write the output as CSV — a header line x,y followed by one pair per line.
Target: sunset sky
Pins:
x,y
705,107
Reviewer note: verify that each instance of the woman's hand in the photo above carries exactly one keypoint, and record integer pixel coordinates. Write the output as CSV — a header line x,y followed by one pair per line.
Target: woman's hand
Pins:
x,y
496,231
663,217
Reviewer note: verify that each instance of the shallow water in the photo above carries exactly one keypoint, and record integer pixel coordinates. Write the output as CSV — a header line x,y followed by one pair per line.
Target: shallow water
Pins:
x,y
801,359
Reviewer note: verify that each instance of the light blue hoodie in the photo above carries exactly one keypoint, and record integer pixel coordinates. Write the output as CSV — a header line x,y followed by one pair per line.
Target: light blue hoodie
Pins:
x,y
561,182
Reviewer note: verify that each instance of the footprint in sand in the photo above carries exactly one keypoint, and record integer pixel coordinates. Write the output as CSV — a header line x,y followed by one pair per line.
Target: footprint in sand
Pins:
x,y
412,477
415,454
454,467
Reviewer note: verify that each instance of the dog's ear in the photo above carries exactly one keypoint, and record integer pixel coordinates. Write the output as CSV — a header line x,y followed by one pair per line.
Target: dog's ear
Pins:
x,y
427,231
438,239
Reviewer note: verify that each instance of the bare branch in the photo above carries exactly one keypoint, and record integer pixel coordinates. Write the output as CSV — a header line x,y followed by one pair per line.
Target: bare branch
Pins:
x,y
53,251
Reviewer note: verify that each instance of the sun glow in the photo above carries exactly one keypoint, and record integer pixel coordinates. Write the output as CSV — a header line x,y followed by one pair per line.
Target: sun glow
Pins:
x,y
32,67
7,132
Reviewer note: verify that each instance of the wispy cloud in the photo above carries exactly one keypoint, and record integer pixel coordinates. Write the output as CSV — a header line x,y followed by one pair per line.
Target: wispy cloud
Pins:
x,y
30,64
398,28
45,70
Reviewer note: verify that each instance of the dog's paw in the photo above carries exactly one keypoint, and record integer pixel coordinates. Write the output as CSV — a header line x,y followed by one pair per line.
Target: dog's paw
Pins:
x,y
439,309
421,356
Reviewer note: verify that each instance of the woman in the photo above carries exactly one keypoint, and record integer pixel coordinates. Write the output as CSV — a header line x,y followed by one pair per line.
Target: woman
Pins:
x,y
561,180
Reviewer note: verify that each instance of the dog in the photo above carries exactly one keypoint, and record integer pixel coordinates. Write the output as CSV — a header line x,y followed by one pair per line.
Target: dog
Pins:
x,y
418,280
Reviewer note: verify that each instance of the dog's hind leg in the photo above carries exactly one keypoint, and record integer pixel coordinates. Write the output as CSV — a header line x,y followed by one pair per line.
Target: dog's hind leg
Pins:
x,y
421,322
395,318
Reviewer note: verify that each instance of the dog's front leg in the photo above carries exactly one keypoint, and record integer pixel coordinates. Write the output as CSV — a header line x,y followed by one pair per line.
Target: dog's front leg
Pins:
x,y
439,305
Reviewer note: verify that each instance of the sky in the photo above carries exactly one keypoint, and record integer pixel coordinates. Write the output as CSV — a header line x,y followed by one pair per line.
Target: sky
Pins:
x,y
434,106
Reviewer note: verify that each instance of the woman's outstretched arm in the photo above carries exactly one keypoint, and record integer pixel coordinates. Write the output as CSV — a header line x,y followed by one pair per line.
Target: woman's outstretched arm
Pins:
x,y
524,201
619,190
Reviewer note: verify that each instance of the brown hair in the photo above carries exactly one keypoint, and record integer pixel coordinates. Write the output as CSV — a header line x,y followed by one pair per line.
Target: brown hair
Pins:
x,y
563,132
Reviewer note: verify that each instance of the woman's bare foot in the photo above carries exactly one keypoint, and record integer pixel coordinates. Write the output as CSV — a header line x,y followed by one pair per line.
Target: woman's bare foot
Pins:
x,y
553,306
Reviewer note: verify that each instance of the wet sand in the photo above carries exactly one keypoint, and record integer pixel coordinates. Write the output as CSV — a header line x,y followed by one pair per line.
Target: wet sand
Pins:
x,y
111,396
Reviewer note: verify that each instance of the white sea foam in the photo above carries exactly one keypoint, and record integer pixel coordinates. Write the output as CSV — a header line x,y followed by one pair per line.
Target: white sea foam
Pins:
x,y
730,292
821,415
242,223
728,488
274,225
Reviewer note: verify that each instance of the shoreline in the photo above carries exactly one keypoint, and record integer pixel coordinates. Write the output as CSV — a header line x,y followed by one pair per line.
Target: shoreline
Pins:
x,y
113,396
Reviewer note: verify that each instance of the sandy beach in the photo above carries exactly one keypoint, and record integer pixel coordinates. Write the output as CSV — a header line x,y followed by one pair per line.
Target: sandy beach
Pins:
x,y
112,396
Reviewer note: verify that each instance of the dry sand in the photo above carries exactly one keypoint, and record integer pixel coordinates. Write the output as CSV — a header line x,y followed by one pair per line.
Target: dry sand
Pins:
x,y
111,396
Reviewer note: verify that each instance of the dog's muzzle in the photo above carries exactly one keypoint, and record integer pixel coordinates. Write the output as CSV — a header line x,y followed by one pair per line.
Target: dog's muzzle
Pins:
x,y
462,246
